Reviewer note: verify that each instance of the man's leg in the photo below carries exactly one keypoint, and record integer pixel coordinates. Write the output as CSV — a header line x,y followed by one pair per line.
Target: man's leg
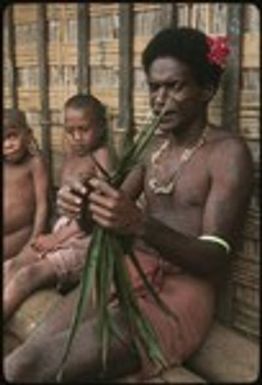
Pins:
x,y
38,359
11,266
25,282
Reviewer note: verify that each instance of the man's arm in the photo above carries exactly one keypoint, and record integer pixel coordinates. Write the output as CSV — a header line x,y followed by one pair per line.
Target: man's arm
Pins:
x,y
230,170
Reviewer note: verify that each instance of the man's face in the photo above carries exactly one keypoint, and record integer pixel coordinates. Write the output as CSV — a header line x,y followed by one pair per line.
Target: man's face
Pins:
x,y
81,129
171,83
15,143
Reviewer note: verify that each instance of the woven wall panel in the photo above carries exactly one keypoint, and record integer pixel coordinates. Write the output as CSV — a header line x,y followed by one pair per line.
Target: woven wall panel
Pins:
x,y
58,11
25,13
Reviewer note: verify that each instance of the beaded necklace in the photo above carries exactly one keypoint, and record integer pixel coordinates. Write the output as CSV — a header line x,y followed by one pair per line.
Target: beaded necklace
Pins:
x,y
158,187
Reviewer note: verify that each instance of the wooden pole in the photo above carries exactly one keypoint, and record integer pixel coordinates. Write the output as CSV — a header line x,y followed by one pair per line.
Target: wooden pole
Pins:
x,y
169,15
42,48
230,121
12,75
125,119
83,38
231,80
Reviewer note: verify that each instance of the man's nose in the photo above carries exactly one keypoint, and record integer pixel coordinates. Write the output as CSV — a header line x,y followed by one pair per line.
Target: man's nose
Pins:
x,y
161,96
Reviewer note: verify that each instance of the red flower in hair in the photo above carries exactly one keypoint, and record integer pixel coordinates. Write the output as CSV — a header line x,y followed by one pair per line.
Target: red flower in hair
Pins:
x,y
218,50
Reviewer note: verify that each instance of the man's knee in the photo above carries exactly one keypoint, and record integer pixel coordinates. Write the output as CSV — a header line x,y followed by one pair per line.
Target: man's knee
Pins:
x,y
25,276
21,364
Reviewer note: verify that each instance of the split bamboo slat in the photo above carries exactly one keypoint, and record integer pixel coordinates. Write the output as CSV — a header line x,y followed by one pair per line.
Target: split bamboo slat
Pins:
x,y
105,81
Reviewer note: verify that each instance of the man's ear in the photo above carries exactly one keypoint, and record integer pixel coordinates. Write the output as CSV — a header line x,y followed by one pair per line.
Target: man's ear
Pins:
x,y
208,93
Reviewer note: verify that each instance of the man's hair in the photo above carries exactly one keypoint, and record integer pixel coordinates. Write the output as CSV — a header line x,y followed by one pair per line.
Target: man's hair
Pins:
x,y
88,101
188,45
15,118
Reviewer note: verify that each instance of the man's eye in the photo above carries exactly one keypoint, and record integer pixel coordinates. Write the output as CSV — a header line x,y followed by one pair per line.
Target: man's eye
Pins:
x,y
153,87
178,86
68,129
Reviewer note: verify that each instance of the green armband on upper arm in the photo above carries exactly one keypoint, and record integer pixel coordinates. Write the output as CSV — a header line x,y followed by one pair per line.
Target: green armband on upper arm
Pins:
x,y
217,240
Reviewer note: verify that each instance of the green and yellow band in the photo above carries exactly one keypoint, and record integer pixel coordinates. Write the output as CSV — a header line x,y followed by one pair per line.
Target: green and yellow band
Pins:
x,y
218,240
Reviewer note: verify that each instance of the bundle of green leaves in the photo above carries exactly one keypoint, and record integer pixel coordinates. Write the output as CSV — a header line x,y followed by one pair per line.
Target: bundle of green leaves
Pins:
x,y
105,266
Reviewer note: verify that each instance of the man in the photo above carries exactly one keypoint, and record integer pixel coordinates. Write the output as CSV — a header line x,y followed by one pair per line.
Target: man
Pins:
x,y
196,179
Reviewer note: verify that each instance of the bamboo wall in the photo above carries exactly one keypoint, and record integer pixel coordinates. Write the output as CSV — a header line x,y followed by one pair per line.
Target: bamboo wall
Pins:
x,y
116,35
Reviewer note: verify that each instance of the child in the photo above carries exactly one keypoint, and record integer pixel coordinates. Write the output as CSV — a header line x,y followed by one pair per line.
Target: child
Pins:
x,y
58,258
25,185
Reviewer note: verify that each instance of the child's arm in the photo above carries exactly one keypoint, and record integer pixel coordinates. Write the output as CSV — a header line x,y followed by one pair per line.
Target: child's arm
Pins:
x,y
101,156
41,185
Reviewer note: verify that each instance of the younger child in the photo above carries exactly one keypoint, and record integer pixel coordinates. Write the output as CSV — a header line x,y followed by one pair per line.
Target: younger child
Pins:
x,y
25,185
58,258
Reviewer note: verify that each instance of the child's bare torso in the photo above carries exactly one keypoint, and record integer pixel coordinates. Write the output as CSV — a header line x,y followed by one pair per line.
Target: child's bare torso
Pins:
x,y
75,167
82,166
19,206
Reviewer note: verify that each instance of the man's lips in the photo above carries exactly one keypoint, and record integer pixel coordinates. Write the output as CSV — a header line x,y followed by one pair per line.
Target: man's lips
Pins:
x,y
167,113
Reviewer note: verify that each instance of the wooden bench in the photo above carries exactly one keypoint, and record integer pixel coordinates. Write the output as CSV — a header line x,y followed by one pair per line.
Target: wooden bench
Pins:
x,y
225,357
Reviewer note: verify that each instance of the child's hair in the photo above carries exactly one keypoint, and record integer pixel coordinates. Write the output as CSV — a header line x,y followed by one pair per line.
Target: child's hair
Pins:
x,y
188,45
84,101
15,118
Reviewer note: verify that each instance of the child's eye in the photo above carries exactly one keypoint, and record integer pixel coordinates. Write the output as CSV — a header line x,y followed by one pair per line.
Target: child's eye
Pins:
x,y
11,136
84,128
71,130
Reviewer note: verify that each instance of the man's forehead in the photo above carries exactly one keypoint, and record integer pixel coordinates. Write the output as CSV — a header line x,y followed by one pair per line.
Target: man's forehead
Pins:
x,y
168,68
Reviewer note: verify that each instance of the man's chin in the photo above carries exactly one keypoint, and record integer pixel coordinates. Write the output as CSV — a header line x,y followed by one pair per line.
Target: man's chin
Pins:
x,y
165,129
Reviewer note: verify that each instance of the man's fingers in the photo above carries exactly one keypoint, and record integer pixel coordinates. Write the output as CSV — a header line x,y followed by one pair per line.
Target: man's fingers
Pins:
x,y
101,200
103,187
100,211
67,208
66,195
102,221
78,187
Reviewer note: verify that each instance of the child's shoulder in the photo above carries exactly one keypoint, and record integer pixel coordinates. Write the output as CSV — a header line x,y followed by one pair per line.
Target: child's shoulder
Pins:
x,y
101,153
101,157
38,162
100,150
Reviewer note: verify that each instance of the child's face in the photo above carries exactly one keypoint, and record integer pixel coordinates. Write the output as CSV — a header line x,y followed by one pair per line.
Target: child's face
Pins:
x,y
15,143
81,130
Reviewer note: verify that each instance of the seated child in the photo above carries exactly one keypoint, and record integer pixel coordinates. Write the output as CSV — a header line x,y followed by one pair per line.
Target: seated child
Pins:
x,y
25,185
58,258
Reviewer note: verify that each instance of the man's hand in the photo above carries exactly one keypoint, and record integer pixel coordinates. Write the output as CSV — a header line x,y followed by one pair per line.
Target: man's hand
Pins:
x,y
113,209
70,198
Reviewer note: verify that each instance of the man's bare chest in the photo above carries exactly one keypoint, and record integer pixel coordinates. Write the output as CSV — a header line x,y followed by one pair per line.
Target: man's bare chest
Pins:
x,y
179,187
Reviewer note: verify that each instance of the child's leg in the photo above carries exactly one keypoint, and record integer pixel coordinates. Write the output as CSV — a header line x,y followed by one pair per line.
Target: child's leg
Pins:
x,y
25,282
13,265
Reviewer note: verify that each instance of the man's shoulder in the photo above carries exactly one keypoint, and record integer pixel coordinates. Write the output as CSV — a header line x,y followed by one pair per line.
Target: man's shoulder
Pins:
x,y
229,149
223,140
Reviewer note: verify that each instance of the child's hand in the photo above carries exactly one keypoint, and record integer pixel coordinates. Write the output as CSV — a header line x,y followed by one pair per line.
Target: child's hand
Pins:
x,y
45,242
